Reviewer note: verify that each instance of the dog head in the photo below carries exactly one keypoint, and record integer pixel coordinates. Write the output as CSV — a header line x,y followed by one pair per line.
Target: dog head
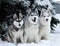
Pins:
x,y
33,16
18,20
45,17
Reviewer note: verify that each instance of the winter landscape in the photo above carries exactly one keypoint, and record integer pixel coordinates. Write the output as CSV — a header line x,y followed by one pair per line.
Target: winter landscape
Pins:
x,y
54,39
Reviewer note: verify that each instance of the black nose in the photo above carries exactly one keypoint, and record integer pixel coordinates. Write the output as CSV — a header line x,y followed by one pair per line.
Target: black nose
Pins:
x,y
46,19
34,18
19,24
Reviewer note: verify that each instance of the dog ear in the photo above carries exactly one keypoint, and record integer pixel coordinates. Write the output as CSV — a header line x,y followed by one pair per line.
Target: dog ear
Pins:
x,y
20,15
14,16
28,10
42,12
49,12
36,10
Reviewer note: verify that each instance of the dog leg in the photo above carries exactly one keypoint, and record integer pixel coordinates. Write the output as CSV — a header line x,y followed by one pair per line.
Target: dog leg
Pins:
x,y
47,36
25,38
14,40
37,39
22,40
9,39
40,37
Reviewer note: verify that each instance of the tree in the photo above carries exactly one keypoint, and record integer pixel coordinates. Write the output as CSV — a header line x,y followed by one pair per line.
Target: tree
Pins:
x,y
9,7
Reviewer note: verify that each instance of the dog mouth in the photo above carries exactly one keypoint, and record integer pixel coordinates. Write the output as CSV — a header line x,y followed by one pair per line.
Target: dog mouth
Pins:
x,y
46,20
34,20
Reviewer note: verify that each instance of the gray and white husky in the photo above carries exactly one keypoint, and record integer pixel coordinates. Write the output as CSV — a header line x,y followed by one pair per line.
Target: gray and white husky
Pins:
x,y
16,29
31,27
45,19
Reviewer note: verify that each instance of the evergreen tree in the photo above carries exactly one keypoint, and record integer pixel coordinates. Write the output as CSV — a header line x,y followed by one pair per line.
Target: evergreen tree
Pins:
x,y
9,7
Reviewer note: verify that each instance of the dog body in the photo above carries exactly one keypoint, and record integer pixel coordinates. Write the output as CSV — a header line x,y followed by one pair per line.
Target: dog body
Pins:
x,y
31,28
45,20
16,29
15,35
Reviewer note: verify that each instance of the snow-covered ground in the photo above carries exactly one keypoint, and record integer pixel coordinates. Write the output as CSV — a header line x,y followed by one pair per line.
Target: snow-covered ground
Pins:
x,y
53,41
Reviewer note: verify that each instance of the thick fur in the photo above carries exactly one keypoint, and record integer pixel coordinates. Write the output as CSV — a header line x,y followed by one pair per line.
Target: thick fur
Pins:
x,y
14,35
45,19
31,28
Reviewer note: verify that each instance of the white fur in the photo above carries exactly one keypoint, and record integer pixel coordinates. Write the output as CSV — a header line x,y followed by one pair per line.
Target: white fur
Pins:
x,y
17,24
18,34
45,25
31,30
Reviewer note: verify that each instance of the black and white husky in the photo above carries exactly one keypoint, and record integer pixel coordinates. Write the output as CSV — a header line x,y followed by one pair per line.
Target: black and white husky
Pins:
x,y
45,19
31,27
16,29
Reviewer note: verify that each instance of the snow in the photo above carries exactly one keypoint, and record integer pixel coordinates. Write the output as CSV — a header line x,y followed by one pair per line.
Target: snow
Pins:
x,y
56,0
53,41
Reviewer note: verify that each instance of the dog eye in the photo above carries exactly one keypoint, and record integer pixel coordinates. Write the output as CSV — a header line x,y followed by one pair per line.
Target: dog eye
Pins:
x,y
44,16
31,15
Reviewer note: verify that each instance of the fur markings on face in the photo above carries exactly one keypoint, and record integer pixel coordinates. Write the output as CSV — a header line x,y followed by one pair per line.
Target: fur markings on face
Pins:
x,y
33,17
18,22
45,17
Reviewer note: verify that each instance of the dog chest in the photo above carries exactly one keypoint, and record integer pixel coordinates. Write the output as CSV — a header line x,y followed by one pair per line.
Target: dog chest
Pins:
x,y
31,30
45,30
17,33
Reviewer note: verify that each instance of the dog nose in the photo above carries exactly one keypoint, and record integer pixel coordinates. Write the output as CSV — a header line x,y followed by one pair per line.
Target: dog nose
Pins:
x,y
46,19
19,24
34,18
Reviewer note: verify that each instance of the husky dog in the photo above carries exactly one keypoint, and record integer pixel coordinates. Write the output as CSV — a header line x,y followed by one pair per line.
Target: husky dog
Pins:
x,y
16,29
31,27
45,19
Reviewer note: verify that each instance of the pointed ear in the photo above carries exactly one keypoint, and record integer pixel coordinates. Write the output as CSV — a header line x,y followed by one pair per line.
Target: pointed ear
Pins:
x,y
28,10
36,10
20,15
49,12
14,16
42,12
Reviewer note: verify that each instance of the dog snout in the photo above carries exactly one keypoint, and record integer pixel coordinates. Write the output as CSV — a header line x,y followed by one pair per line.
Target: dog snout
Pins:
x,y
19,24
46,19
34,18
